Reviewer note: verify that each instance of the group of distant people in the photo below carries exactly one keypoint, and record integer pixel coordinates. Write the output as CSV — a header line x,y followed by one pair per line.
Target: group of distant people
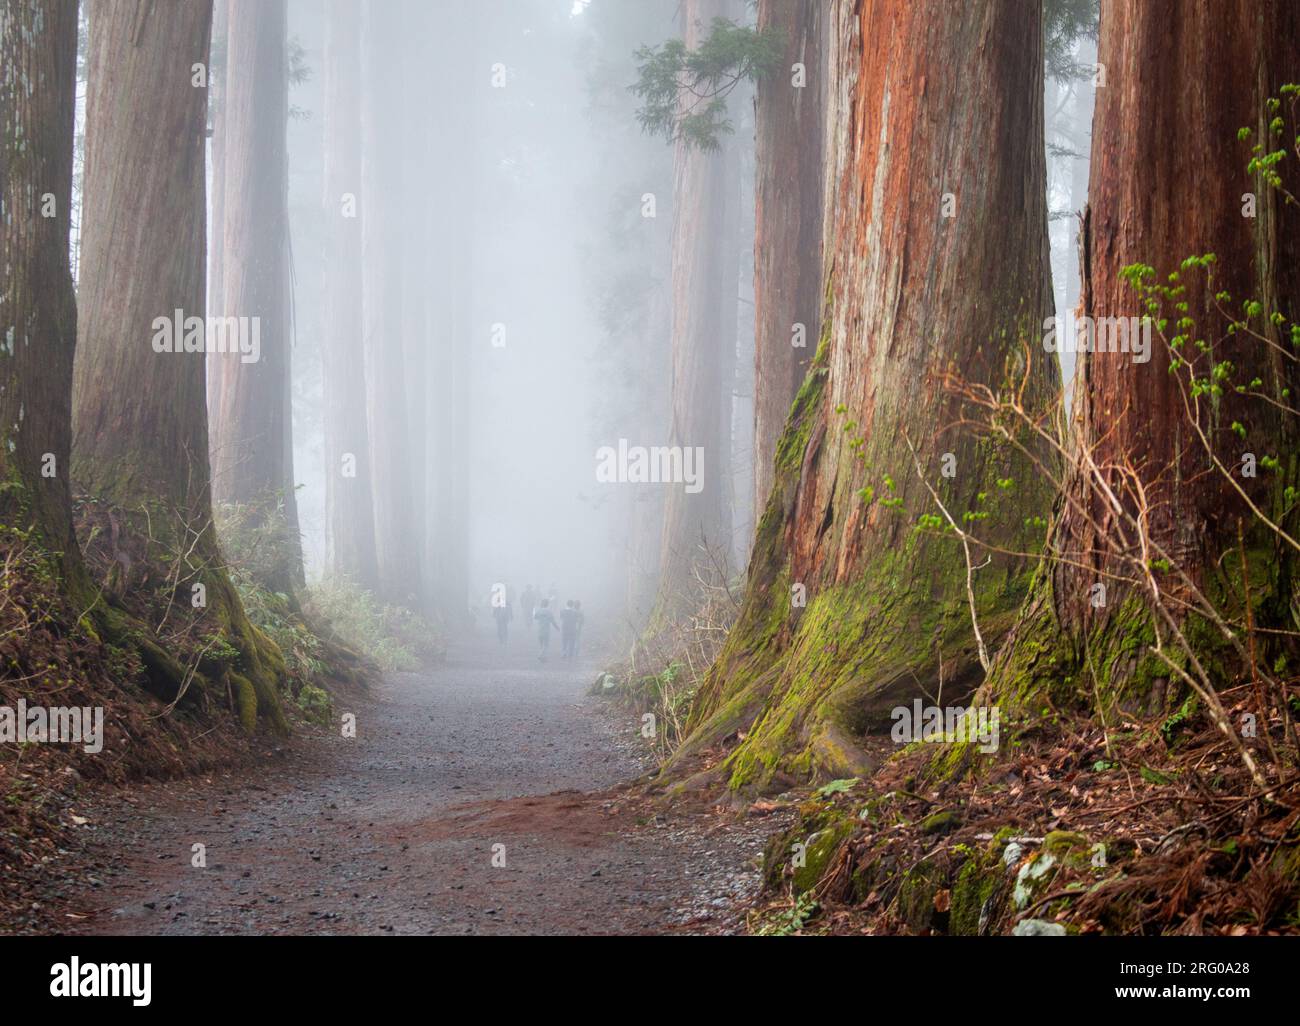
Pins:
x,y
540,610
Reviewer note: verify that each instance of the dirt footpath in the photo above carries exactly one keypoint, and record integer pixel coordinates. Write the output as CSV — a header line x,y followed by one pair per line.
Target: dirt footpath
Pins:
x,y
480,798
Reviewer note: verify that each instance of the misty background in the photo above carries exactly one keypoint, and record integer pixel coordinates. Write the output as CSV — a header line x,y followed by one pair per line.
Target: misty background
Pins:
x,y
568,281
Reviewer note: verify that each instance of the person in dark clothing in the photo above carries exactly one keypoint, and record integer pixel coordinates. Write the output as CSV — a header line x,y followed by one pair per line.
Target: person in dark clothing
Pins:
x,y
528,603
545,621
568,631
503,614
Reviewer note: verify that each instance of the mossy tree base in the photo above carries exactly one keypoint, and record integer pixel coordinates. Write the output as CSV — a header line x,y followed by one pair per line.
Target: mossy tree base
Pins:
x,y
198,645
797,687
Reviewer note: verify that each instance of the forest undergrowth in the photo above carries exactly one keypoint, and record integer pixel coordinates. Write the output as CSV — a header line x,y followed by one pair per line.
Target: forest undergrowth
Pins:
x,y
666,664
1146,779
328,642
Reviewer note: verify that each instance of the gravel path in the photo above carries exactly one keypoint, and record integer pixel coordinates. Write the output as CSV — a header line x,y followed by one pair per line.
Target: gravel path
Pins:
x,y
490,758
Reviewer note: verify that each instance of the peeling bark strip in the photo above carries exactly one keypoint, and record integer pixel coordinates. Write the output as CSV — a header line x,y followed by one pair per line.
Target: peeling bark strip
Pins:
x,y
789,154
349,515
938,262
38,316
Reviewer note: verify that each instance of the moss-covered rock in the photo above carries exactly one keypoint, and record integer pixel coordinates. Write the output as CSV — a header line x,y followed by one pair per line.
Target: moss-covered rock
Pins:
x,y
805,851
942,822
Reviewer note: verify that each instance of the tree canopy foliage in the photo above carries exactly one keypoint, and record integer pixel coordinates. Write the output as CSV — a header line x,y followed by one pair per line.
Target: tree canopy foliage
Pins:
x,y
684,92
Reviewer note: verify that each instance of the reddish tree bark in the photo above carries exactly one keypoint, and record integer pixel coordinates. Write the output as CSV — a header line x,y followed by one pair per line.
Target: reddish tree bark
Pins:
x,y
144,167
1168,181
931,116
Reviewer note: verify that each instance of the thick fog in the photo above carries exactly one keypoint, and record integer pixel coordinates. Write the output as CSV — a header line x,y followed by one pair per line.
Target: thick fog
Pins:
x,y
556,170
1068,107
534,203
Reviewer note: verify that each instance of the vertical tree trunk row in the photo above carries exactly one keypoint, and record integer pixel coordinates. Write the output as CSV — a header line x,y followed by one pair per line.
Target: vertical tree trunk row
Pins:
x,y
251,421
702,291
349,509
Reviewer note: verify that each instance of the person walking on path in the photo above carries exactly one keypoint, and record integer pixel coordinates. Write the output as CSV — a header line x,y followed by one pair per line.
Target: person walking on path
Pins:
x,y
545,621
503,614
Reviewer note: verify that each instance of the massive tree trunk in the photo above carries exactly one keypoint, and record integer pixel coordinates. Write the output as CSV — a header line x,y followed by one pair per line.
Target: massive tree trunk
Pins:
x,y
931,116
38,315
383,227
349,510
250,401
1168,182
789,189
697,524
140,440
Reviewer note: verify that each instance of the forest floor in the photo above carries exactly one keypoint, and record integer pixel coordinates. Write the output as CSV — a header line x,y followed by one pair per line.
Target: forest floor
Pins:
x,y
395,831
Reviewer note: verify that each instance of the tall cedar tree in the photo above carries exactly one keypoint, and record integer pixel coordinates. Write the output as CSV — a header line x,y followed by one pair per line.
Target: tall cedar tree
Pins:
x,y
251,422
789,152
416,246
1169,181
217,151
705,185
928,117
383,227
450,289
140,439
349,510
38,321
38,314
